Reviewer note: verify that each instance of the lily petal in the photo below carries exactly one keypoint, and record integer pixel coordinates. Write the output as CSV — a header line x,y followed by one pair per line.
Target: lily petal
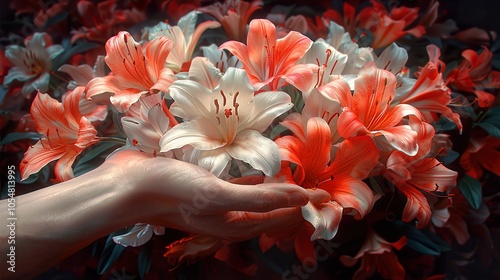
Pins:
x,y
325,219
138,235
268,106
214,161
36,157
191,98
199,133
258,151
63,169
350,192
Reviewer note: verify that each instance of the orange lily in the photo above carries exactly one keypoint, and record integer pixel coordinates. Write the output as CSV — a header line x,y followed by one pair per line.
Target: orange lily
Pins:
x,y
134,71
271,62
414,174
66,134
233,16
310,151
371,113
429,92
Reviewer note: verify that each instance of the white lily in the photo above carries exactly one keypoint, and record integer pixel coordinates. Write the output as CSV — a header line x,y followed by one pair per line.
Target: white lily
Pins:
x,y
329,62
138,235
341,41
145,131
220,59
226,121
32,64
392,59
81,75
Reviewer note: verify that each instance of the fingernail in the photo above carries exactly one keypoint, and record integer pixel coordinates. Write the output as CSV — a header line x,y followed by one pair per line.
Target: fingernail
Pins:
x,y
298,199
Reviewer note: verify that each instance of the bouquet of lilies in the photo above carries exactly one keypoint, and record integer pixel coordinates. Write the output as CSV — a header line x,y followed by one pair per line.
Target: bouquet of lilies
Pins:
x,y
359,102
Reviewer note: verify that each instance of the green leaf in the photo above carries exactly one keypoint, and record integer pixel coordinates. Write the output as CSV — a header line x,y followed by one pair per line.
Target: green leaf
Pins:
x,y
144,259
55,19
95,151
419,242
111,252
69,50
450,157
472,190
14,136
42,176
492,129
277,130
491,122
444,124
440,243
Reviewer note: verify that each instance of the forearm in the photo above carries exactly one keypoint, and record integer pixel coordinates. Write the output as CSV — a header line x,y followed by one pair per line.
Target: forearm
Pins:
x,y
54,222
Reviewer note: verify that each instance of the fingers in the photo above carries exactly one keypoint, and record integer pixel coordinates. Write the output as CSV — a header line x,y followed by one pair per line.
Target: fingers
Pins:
x,y
237,225
248,180
261,198
317,196
246,225
240,225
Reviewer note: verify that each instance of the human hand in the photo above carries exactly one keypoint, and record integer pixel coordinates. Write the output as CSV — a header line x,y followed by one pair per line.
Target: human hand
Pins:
x,y
176,194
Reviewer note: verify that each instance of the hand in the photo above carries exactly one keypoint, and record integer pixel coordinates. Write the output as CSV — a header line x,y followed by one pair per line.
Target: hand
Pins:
x,y
180,195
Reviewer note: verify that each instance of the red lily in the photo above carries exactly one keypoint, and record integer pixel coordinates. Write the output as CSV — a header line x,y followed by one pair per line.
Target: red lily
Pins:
x,y
377,254
390,26
101,20
481,154
475,75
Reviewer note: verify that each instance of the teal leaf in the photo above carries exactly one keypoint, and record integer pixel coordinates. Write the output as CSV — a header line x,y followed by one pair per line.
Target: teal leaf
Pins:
x,y
418,241
51,21
14,136
276,131
472,190
144,259
69,50
450,157
103,148
491,122
444,124
440,243
111,252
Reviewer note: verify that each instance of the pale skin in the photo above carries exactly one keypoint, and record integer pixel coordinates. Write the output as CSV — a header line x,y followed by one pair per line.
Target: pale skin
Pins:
x,y
129,188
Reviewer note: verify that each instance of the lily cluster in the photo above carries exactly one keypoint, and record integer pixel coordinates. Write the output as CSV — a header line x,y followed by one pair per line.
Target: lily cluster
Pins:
x,y
328,102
